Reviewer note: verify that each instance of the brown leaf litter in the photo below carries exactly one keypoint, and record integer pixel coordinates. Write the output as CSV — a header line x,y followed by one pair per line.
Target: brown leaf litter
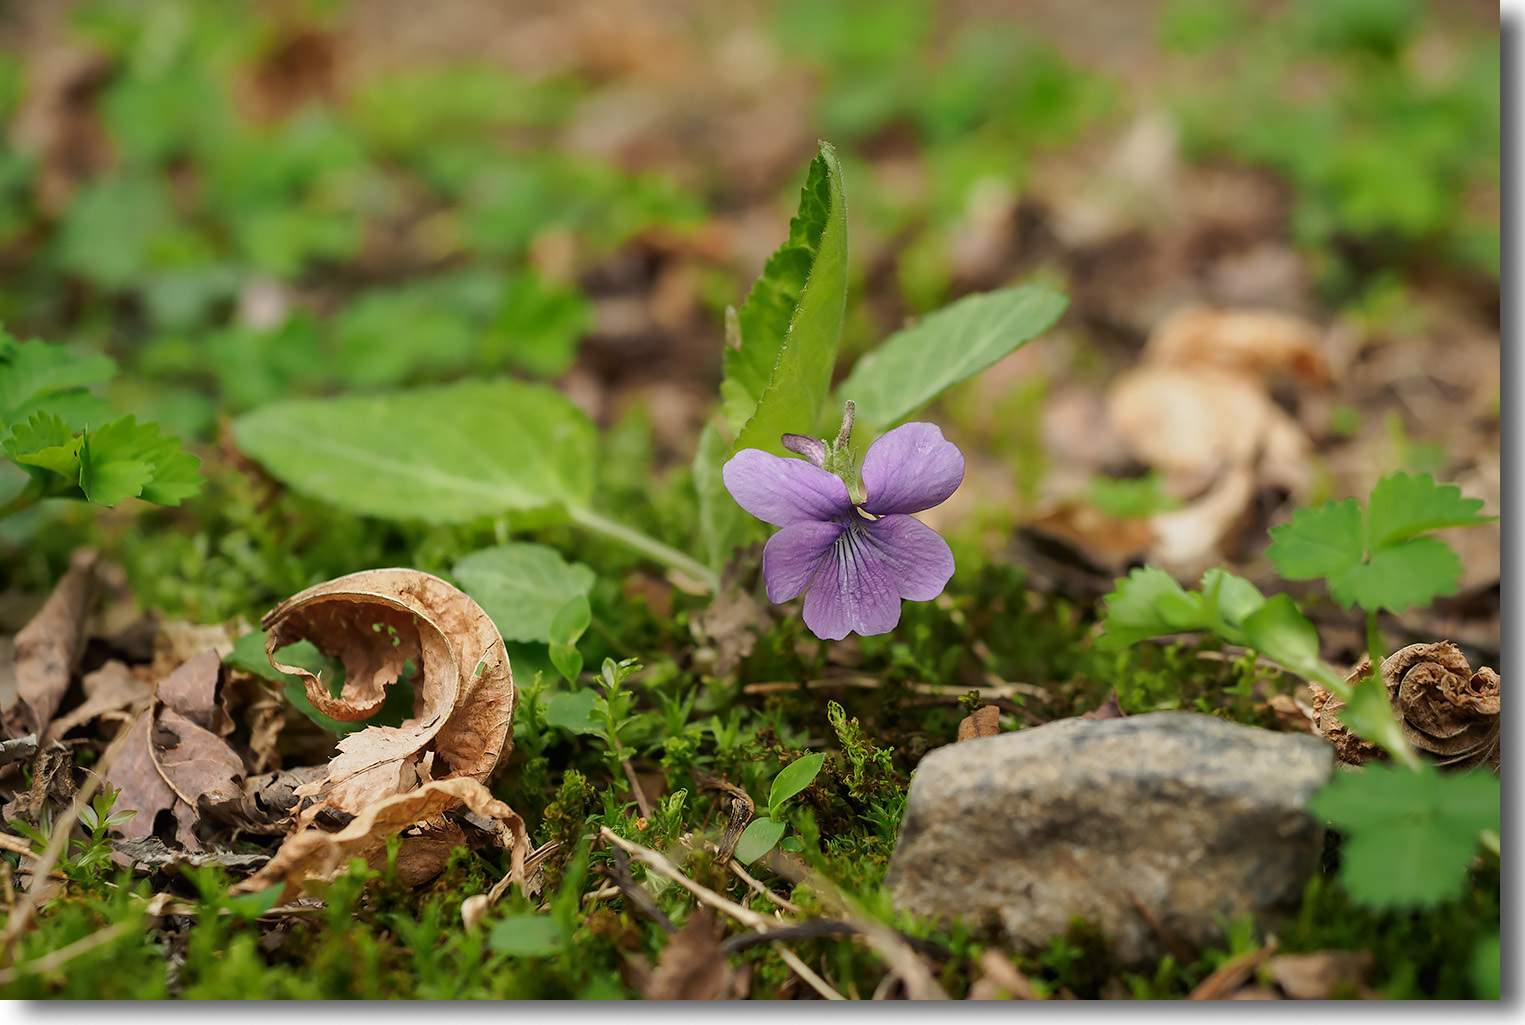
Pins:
x,y
1447,711
198,783
49,646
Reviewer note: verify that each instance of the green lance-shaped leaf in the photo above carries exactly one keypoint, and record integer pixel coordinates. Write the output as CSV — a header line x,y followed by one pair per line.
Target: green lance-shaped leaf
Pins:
x,y
521,586
446,454
777,379
791,779
760,837
916,365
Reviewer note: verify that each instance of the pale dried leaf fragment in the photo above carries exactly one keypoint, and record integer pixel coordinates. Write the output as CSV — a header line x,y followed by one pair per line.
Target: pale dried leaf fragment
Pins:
x,y
1194,423
375,622
984,721
47,648
1323,974
313,854
1446,710
111,688
692,966
1001,980
1255,342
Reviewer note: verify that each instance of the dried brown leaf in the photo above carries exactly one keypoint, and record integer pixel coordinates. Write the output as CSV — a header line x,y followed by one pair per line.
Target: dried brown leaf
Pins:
x,y
1108,709
111,688
313,854
692,965
1192,423
1001,980
198,765
1323,974
375,621
192,690
142,788
984,721
47,648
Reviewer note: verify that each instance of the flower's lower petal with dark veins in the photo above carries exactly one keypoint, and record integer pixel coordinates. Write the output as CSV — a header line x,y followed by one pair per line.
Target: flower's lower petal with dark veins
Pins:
x,y
783,491
852,590
913,553
794,554
910,469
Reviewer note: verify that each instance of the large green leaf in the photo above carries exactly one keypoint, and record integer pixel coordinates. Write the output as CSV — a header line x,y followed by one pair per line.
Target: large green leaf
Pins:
x,y
722,523
777,379
917,364
445,455
521,585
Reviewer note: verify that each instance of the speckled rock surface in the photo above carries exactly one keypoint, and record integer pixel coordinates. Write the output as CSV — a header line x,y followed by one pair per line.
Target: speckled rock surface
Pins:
x,y
1184,814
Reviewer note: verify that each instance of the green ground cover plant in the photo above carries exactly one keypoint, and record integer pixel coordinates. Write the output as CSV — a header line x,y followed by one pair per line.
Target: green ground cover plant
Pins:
x,y
351,332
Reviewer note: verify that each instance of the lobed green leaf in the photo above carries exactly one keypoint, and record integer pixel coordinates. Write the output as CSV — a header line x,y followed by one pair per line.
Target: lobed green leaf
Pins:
x,y
1412,573
1402,506
1319,542
1410,835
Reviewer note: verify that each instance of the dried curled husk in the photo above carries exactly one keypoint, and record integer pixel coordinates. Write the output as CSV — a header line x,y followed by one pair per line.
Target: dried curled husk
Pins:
x,y
1448,712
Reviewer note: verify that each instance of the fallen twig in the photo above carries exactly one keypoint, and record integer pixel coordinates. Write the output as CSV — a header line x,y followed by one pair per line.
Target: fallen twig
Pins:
x,y
761,890
891,946
659,864
25,911
1232,974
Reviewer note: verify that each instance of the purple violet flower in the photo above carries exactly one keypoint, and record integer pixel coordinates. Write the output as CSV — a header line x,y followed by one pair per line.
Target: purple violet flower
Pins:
x,y
853,561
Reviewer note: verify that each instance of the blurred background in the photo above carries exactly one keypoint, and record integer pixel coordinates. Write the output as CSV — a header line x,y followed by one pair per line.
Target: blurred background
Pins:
x,y
1278,223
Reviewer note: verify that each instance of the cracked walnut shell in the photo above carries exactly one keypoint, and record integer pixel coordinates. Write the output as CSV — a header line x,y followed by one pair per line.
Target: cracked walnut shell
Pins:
x,y
1447,711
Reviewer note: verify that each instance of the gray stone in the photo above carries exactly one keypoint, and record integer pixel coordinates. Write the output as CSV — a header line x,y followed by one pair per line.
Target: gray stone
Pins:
x,y
1183,815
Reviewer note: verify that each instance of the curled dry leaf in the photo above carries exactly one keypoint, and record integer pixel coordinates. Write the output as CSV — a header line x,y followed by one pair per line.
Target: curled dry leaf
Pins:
x,y
47,648
374,622
1447,711
314,854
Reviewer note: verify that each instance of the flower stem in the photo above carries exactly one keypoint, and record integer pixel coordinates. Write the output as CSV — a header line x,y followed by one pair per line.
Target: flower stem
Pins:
x,y
1374,643
648,546
24,499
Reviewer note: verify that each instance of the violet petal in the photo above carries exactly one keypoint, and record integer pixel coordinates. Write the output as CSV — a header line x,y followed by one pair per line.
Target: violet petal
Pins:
x,y
852,590
915,555
910,469
783,491
813,449
793,555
